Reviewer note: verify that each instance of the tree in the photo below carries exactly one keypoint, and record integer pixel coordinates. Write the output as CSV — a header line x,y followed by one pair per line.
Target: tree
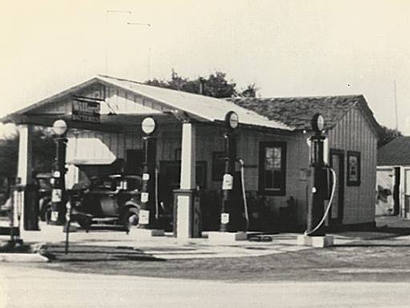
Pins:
x,y
43,153
215,85
388,135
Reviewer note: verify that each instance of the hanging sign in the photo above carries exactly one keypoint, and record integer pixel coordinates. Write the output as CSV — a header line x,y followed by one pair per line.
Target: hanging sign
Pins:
x,y
86,110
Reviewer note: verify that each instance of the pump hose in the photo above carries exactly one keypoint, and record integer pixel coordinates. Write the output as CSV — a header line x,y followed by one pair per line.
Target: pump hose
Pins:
x,y
156,194
245,204
329,205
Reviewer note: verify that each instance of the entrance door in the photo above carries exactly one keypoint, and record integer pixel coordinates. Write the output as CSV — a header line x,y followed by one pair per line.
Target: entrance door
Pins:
x,y
337,164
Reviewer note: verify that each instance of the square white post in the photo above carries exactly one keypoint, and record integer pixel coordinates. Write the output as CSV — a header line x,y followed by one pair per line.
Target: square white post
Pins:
x,y
188,154
24,167
25,161
185,196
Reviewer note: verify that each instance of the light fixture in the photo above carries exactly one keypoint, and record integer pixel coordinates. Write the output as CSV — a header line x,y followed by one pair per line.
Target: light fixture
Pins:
x,y
232,119
318,122
59,127
148,125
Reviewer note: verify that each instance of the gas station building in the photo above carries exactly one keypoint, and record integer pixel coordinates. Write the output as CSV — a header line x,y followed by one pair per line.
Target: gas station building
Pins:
x,y
104,116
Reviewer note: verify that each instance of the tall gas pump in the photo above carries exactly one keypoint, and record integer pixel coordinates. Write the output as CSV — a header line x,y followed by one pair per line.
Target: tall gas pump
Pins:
x,y
228,228
147,220
231,121
317,214
58,175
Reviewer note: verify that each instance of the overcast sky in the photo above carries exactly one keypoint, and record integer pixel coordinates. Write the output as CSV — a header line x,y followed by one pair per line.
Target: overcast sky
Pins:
x,y
288,48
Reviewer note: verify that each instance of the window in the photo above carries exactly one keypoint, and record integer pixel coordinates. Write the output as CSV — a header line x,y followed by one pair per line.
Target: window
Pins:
x,y
353,168
218,165
272,168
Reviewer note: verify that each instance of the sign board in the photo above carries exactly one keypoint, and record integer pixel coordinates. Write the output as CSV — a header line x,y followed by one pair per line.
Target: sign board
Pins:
x,y
85,110
227,182
224,218
143,217
56,195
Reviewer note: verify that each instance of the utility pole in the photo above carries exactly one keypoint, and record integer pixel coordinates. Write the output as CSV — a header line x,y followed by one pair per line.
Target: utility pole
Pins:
x,y
148,25
107,12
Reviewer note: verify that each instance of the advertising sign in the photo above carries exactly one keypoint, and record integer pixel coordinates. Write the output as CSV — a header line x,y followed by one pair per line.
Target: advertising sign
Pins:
x,y
86,110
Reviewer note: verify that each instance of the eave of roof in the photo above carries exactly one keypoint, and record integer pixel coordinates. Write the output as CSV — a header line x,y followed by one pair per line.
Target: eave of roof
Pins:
x,y
211,109
298,111
395,153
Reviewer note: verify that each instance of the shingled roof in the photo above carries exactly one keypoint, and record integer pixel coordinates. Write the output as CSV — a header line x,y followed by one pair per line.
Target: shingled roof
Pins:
x,y
298,111
395,153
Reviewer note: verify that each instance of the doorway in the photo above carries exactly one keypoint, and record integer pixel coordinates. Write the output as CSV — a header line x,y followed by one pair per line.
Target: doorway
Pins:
x,y
337,164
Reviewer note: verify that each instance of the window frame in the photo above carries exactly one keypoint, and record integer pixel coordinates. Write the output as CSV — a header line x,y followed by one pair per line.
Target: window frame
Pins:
x,y
356,182
262,148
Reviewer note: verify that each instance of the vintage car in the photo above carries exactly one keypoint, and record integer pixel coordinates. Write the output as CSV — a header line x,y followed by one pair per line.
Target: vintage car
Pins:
x,y
114,198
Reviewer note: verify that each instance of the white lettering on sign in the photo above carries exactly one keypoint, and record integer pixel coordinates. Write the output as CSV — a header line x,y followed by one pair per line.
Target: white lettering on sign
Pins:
x,y
227,182
143,217
224,218
145,176
144,197
86,111
56,195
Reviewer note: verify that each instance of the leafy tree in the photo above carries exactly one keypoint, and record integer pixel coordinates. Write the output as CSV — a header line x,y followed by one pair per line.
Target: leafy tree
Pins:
x,y
43,152
388,135
215,85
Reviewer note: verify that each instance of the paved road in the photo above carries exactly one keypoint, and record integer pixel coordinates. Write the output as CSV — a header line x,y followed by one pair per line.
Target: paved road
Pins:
x,y
34,287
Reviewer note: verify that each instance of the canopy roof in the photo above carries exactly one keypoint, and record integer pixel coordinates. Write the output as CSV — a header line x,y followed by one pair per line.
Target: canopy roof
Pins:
x,y
199,107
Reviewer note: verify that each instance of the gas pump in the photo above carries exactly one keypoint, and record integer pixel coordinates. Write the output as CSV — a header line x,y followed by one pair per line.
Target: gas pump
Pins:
x,y
231,121
317,214
146,217
58,181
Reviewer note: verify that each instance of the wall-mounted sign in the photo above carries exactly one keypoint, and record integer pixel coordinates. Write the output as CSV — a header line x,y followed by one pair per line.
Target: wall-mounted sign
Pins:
x,y
86,110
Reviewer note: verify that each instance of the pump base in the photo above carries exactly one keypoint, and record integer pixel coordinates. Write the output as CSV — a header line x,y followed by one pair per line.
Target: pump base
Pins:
x,y
216,236
145,233
315,241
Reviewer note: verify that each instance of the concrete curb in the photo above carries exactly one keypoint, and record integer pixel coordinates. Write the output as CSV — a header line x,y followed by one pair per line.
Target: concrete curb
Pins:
x,y
22,258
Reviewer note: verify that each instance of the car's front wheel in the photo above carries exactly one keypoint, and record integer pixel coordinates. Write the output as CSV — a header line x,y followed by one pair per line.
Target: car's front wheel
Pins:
x,y
130,217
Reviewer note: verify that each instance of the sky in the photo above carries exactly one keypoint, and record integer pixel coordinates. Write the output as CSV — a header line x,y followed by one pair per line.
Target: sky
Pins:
x,y
287,48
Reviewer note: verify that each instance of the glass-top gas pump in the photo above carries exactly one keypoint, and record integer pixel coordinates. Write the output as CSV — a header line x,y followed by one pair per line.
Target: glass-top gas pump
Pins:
x,y
58,175
317,209
146,217
231,122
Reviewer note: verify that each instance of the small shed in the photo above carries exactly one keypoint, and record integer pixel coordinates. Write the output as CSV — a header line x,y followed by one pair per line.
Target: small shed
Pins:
x,y
271,139
393,178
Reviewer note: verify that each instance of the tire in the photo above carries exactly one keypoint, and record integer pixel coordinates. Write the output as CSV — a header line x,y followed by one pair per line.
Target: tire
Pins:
x,y
130,217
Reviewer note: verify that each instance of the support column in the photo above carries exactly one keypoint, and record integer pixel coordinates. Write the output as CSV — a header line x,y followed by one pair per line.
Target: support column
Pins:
x,y
25,159
24,167
188,159
186,201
